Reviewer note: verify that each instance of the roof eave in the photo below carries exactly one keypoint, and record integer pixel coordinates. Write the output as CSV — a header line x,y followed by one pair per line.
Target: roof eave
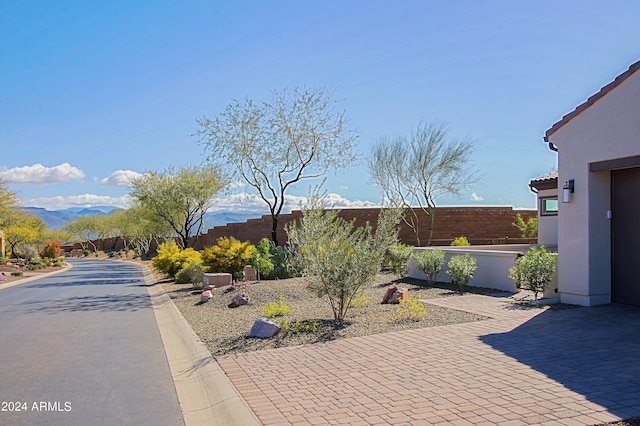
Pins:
x,y
592,99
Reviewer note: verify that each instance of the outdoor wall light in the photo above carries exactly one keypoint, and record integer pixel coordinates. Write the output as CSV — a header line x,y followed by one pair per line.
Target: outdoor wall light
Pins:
x,y
567,190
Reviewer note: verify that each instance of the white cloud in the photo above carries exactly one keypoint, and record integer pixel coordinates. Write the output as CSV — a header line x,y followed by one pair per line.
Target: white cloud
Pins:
x,y
236,202
253,203
338,201
38,174
476,197
120,178
84,200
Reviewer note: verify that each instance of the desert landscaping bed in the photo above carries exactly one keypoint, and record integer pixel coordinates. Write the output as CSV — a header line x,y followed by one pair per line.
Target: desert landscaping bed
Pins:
x,y
224,330
7,272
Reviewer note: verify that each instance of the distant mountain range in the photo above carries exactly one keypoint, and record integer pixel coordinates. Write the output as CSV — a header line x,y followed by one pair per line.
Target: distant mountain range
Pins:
x,y
55,219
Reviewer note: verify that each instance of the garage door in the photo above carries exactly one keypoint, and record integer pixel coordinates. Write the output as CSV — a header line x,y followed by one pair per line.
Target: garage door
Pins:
x,y
626,236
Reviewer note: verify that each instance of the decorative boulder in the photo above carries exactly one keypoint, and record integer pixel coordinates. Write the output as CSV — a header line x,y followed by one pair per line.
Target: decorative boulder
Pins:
x,y
394,294
400,294
205,296
239,300
389,294
263,328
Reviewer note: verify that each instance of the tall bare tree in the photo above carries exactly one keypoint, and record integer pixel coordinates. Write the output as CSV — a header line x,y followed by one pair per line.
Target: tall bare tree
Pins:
x,y
298,135
180,197
415,170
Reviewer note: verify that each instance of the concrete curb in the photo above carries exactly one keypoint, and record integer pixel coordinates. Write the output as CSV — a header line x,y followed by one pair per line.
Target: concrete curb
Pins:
x,y
205,393
36,277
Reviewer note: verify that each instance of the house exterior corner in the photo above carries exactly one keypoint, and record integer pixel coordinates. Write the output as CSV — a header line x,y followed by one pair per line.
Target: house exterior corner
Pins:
x,y
599,150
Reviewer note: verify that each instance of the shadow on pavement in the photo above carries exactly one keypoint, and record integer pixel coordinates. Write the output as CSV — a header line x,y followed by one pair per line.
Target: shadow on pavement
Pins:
x,y
103,303
592,351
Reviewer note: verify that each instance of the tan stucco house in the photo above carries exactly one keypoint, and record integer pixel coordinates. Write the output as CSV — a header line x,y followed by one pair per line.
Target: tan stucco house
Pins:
x,y
590,207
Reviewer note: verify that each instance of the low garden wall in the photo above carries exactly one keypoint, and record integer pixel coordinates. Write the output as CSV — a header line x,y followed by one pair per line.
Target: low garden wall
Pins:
x,y
493,264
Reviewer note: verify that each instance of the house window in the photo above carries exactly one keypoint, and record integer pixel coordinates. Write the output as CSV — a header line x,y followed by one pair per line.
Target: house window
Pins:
x,y
549,206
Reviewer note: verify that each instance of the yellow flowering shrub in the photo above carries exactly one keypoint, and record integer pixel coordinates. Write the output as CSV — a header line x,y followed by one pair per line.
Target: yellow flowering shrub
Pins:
x,y
170,259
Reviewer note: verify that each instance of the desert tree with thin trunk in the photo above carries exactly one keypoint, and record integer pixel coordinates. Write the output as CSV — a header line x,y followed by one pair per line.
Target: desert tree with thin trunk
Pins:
x,y
84,230
298,135
138,228
416,169
179,197
8,205
25,234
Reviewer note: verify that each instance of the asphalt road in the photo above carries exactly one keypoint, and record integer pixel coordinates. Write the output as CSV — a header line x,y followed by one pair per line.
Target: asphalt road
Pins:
x,y
83,347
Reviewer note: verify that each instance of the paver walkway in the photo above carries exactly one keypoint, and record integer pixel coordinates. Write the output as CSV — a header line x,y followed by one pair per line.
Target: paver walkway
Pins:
x,y
576,366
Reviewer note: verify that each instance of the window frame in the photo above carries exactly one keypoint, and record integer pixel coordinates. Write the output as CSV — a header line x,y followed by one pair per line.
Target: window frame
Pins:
x,y
543,204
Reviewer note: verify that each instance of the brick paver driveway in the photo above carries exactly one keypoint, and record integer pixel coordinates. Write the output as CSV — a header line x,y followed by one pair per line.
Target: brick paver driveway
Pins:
x,y
577,366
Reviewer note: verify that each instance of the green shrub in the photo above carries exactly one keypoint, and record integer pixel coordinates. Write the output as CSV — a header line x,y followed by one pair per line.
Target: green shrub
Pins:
x,y
430,262
260,258
273,309
410,309
534,270
529,228
306,326
338,258
171,259
229,255
461,270
16,274
192,272
398,256
37,263
460,241
86,252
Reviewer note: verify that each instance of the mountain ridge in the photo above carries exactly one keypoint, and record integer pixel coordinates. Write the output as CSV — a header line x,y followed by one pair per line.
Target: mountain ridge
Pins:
x,y
55,219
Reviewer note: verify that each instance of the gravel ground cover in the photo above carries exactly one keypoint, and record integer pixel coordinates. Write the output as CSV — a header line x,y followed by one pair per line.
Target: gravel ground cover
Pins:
x,y
224,330
7,270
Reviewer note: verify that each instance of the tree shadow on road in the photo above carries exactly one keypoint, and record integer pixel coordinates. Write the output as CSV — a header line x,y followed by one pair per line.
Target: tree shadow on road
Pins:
x,y
103,303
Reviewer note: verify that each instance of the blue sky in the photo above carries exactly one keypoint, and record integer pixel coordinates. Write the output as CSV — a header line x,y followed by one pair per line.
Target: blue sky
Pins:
x,y
94,92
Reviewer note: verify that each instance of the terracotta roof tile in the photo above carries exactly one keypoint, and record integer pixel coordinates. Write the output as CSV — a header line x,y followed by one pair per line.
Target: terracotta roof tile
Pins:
x,y
594,98
548,181
549,177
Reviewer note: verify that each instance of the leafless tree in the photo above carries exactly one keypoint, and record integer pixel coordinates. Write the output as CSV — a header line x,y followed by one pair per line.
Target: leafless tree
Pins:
x,y
415,170
298,135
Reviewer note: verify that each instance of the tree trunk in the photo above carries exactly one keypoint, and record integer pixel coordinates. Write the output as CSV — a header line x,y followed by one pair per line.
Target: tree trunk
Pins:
x,y
274,229
432,214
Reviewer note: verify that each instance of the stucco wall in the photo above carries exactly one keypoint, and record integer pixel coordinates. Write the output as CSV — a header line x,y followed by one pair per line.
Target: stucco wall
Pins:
x,y
548,225
606,130
492,266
